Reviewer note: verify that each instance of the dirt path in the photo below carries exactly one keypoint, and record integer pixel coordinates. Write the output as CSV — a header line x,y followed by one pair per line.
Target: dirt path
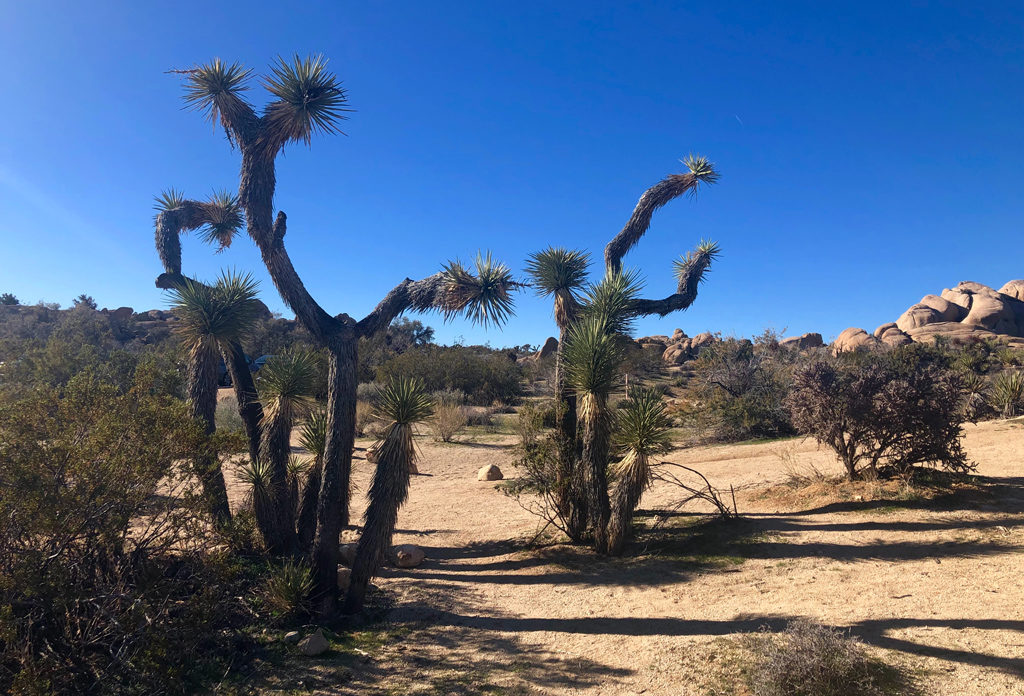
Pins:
x,y
936,586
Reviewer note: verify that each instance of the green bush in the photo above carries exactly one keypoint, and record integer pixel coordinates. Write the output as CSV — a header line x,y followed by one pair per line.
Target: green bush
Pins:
x,y
484,375
106,585
739,389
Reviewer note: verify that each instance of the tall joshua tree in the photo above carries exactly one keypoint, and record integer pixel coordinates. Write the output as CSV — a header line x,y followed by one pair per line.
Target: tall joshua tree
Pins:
x,y
403,403
306,99
211,318
591,338
562,273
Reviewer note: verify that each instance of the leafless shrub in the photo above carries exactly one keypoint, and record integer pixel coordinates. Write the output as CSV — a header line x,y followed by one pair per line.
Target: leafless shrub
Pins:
x,y
809,659
448,421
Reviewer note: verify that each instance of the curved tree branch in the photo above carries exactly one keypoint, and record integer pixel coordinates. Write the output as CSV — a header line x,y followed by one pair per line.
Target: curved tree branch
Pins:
x,y
690,272
418,295
672,186
317,321
188,216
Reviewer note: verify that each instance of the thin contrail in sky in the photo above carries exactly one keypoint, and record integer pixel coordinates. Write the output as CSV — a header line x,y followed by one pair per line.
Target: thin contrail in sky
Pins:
x,y
737,118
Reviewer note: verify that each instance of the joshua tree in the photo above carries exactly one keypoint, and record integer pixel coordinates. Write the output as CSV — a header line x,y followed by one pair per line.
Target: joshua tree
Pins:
x,y
561,273
211,317
307,100
592,335
9,299
402,404
642,431
286,391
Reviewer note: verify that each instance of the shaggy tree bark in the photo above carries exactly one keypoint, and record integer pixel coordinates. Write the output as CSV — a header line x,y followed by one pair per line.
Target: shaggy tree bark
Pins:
x,y
202,399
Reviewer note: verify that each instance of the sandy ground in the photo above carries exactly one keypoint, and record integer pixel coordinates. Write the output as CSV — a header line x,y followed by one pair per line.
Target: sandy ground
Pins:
x,y
935,586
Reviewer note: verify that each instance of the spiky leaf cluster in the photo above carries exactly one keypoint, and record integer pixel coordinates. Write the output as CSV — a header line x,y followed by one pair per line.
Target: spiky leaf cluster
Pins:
x,y
484,298
696,261
610,301
643,426
309,99
287,382
313,437
169,199
403,402
592,356
215,89
224,219
702,169
220,313
560,272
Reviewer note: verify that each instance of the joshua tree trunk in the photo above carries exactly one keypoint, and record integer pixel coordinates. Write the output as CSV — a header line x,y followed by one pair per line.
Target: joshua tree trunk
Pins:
x,y
202,400
245,394
274,451
624,501
569,481
306,523
332,505
593,460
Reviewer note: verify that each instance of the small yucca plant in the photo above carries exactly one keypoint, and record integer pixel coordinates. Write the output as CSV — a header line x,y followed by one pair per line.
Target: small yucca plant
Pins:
x,y
1007,394
402,403
642,432
256,476
288,588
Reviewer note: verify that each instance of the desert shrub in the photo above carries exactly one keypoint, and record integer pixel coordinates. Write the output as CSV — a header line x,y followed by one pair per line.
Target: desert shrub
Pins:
x,y
739,390
287,589
882,412
484,375
809,659
106,584
1007,394
529,424
227,417
479,415
448,421
449,397
368,392
8,299
364,416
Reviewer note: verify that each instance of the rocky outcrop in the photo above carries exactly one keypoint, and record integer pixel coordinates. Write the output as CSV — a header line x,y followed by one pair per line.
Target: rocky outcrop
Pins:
x,y
805,342
854,339
970,310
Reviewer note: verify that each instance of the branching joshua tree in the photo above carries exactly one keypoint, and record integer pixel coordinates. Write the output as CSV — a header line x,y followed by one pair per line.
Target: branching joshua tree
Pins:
x,y
211,318
306,99
402,404
592,328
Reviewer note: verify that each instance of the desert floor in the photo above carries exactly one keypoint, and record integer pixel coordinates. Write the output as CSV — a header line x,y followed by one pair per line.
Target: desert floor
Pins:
x,y
935,586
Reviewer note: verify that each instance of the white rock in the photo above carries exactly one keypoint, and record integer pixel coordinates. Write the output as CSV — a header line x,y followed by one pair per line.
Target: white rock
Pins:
x,y
489,473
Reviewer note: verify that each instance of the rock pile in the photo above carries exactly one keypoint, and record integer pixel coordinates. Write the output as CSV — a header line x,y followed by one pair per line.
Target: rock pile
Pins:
x,y
968,310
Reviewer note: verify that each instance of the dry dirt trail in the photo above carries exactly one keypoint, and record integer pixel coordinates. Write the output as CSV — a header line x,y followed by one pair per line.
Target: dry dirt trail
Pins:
x,y
936,587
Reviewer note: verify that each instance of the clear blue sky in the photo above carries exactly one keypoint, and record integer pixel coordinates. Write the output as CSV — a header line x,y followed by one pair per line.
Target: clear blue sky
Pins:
x,y
870,152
